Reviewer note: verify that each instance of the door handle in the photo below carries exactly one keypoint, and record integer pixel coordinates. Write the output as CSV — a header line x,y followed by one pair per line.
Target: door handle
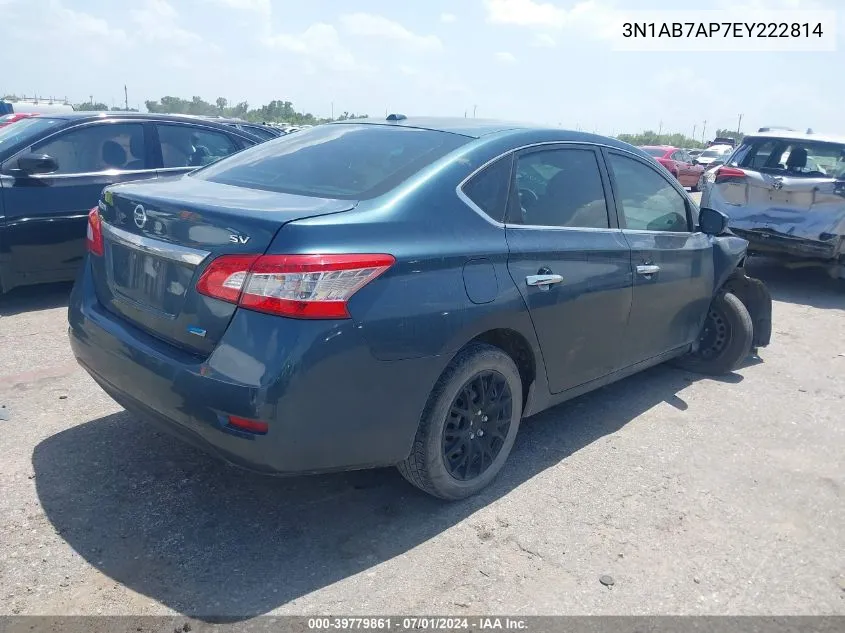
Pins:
x,y
543,280
647,269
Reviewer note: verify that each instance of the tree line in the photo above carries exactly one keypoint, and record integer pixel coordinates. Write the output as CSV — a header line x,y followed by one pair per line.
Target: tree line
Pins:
x,y
650,137
277,111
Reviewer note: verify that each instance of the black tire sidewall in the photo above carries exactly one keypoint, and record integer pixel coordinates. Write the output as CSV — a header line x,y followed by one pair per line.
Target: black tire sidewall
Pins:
x,y
739,344
479,359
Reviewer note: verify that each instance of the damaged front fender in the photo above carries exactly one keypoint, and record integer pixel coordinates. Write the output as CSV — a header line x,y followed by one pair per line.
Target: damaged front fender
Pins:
x,y
757,300
729,252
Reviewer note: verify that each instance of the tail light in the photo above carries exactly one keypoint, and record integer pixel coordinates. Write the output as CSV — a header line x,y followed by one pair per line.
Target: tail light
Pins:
x,y
252,426
298,286
94,236
728,173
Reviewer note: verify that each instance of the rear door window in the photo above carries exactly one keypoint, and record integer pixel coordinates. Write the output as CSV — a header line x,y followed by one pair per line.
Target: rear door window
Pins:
x,y
184,145
97,148
561,187
345,161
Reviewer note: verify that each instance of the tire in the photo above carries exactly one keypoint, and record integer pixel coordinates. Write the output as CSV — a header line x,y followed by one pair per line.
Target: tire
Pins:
x,y
445,431
725,338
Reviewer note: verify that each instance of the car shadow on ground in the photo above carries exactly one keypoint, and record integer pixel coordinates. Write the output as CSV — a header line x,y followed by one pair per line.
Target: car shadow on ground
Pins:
x,y
810,286
219,544
32,298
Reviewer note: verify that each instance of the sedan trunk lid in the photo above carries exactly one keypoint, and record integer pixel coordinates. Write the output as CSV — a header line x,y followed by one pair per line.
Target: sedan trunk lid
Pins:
x,y
160,235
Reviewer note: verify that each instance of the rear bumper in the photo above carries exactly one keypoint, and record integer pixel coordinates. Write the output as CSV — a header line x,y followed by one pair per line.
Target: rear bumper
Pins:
x,y
330,405
772,242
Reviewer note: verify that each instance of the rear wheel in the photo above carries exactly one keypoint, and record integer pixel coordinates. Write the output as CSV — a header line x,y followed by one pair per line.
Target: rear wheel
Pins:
x,y
468,426
725,339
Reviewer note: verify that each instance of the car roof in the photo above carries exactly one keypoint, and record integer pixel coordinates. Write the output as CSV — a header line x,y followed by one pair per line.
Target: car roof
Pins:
x,y
478,128
78,116
719,146
797,136
475,128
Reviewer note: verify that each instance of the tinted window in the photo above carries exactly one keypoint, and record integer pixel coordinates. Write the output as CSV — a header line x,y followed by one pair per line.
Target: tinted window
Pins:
x,y
95,148
260,132
657,152
647,200
347,161
489,188
25,130
192,146
561,187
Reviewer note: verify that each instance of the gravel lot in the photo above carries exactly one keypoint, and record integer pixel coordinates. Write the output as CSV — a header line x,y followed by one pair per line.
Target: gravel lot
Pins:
x,y
696,495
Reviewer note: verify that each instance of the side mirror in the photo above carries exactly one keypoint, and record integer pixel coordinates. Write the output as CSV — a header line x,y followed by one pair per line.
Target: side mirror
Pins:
x,y
31,164
711,221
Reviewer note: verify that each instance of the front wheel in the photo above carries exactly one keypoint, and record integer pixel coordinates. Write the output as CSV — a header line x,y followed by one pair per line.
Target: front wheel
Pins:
x,y
469,425
725,339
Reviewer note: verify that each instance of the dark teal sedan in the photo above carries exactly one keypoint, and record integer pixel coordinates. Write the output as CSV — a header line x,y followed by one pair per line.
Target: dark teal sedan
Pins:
x,y
402,292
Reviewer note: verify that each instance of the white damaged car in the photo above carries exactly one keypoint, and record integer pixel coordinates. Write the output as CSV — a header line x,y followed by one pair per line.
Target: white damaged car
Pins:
x,y
784,192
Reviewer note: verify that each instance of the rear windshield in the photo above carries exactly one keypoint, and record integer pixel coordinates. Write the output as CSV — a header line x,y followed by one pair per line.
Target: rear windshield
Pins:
x,y
791,157
346,161
657,152
25,130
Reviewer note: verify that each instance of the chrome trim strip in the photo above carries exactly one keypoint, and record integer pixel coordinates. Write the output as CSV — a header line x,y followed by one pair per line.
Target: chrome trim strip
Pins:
x,y
173,252
106,172
459,190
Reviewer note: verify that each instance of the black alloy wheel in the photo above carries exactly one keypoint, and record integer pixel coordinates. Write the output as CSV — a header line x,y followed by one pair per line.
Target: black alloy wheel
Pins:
x,y
477,425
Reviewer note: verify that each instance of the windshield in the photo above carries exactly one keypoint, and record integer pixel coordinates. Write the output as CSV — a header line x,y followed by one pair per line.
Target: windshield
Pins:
x,y
657,152
347,161
25,129
792,157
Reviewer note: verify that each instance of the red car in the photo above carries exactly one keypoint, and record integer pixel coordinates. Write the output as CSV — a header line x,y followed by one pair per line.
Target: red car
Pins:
x,y
6,119
678,162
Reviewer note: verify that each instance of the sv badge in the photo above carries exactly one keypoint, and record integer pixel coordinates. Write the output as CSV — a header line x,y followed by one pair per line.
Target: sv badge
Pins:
x,y
239,239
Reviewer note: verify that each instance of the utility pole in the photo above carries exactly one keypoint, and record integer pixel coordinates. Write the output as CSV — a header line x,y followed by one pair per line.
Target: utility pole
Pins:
x,y
660,130
126,97
474,108
703,130
332,110
693,132
739,124
91,97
